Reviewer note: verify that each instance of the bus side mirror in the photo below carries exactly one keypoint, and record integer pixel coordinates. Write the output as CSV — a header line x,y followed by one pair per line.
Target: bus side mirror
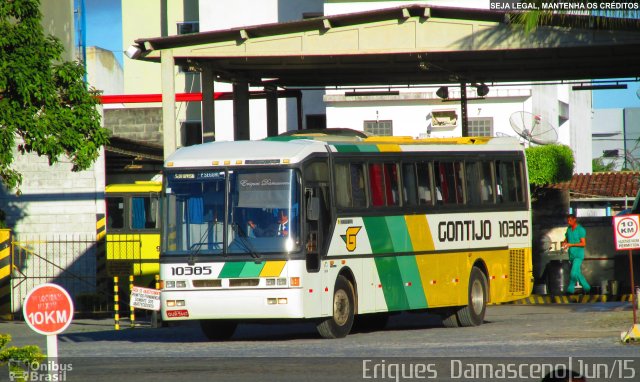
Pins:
x,y
313,208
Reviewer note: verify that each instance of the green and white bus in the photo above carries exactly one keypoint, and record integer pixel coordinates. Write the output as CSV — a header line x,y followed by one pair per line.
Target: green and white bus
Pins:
x,y
375,226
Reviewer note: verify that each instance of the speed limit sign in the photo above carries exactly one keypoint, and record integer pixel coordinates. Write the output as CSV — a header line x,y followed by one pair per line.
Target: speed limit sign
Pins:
x,y
627,231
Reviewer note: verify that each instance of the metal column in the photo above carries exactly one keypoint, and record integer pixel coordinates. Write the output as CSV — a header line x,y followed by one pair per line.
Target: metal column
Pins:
x,y
241,130
208,106
272,111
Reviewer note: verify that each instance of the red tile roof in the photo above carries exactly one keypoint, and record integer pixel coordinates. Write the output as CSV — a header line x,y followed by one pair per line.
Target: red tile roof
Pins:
x,y
607,184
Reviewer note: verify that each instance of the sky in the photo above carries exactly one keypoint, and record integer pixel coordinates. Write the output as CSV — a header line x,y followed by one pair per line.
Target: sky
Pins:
x,y
104,25
104,30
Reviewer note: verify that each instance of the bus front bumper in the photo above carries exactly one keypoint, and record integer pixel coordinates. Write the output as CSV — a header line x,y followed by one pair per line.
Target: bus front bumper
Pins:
x,y
232,304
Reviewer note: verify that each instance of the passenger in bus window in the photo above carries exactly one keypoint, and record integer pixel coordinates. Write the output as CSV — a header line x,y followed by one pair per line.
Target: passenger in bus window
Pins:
x,y
279,228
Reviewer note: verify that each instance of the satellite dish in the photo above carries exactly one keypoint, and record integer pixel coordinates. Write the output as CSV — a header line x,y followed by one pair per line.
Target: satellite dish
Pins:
x,y
532,128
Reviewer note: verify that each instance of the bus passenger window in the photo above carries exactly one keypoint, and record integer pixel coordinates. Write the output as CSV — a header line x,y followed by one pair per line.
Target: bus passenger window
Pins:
x,y
349,181
424,184
459,179
115,213
343,193
409,184
392,184
518,181
486,182
473,184
144,211
376,182
357,186
479,182
509,181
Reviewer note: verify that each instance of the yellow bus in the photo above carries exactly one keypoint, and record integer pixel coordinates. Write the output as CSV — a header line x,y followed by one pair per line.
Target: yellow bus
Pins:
x,y
133,230
373,226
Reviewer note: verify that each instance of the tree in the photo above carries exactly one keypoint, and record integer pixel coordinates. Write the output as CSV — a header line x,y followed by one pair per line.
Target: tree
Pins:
x,y
599,165
45,106
549,164
593,18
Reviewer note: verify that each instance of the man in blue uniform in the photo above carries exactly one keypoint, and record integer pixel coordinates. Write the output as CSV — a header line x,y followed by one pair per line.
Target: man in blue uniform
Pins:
x,y
575,241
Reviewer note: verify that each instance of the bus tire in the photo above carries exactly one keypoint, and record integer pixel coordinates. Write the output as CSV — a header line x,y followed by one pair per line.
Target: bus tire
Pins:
x,y
450,318
473,313
341,321
218,330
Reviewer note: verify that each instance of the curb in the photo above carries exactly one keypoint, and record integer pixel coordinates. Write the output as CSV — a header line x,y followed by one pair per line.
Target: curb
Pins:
x,y
571,299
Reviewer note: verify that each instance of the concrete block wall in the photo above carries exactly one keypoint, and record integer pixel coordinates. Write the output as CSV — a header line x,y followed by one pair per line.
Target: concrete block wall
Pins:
x,y
53,199
53,220
138,124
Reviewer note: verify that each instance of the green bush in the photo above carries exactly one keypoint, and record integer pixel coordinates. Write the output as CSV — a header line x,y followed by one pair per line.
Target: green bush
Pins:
x,y
549,164
26,354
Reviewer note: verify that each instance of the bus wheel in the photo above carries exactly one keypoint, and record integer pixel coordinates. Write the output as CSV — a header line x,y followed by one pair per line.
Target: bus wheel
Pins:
x,y
473,313
218,330
340,323
450,318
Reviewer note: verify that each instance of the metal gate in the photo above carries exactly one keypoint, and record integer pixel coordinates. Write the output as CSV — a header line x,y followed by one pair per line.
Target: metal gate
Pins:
x,y
75,262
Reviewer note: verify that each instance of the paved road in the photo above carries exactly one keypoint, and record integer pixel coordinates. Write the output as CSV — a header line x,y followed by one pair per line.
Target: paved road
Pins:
x,y
182,352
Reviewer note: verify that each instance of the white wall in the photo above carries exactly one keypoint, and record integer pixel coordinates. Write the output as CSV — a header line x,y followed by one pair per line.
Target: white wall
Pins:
x,y
103,71
607,130
580,110
411,117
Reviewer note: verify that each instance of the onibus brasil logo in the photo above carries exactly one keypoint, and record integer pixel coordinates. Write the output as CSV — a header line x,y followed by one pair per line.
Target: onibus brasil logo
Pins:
x,y
32,371
350,238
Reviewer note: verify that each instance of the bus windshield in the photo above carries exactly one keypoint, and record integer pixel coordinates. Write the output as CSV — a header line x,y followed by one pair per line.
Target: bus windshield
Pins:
x,y
231,212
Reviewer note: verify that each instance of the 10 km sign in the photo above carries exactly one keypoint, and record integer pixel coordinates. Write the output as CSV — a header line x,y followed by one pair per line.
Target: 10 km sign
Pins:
x,y
627,231
48,309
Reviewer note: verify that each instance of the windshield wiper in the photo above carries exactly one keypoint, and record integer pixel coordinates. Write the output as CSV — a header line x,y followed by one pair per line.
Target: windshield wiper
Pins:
x,y
193,255
246,244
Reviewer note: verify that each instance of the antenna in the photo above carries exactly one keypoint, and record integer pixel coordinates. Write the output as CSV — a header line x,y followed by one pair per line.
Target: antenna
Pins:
x,y
532,128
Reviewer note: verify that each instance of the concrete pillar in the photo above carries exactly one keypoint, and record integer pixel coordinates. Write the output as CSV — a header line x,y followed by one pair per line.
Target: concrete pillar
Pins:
x,y
208,106
272,111
241,130
167,67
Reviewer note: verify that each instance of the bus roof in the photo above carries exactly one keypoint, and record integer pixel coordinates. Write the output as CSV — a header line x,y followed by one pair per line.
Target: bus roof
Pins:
x,y
138,186
294,148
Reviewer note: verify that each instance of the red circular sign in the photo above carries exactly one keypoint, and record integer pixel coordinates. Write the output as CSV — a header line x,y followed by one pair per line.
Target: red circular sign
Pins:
x,y
627,228
48,309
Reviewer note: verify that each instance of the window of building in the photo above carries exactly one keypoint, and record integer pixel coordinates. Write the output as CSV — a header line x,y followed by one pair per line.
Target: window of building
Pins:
x,y
188,27
480,127
379,128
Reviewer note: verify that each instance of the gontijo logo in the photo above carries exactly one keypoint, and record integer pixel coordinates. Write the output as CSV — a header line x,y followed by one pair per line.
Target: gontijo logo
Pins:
x,y
350,238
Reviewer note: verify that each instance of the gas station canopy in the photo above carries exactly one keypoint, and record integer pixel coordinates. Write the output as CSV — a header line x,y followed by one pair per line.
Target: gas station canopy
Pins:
x,y
409,45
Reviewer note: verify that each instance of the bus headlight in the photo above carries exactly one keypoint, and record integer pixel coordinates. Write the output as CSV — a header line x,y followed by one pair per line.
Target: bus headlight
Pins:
x,y
181,284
